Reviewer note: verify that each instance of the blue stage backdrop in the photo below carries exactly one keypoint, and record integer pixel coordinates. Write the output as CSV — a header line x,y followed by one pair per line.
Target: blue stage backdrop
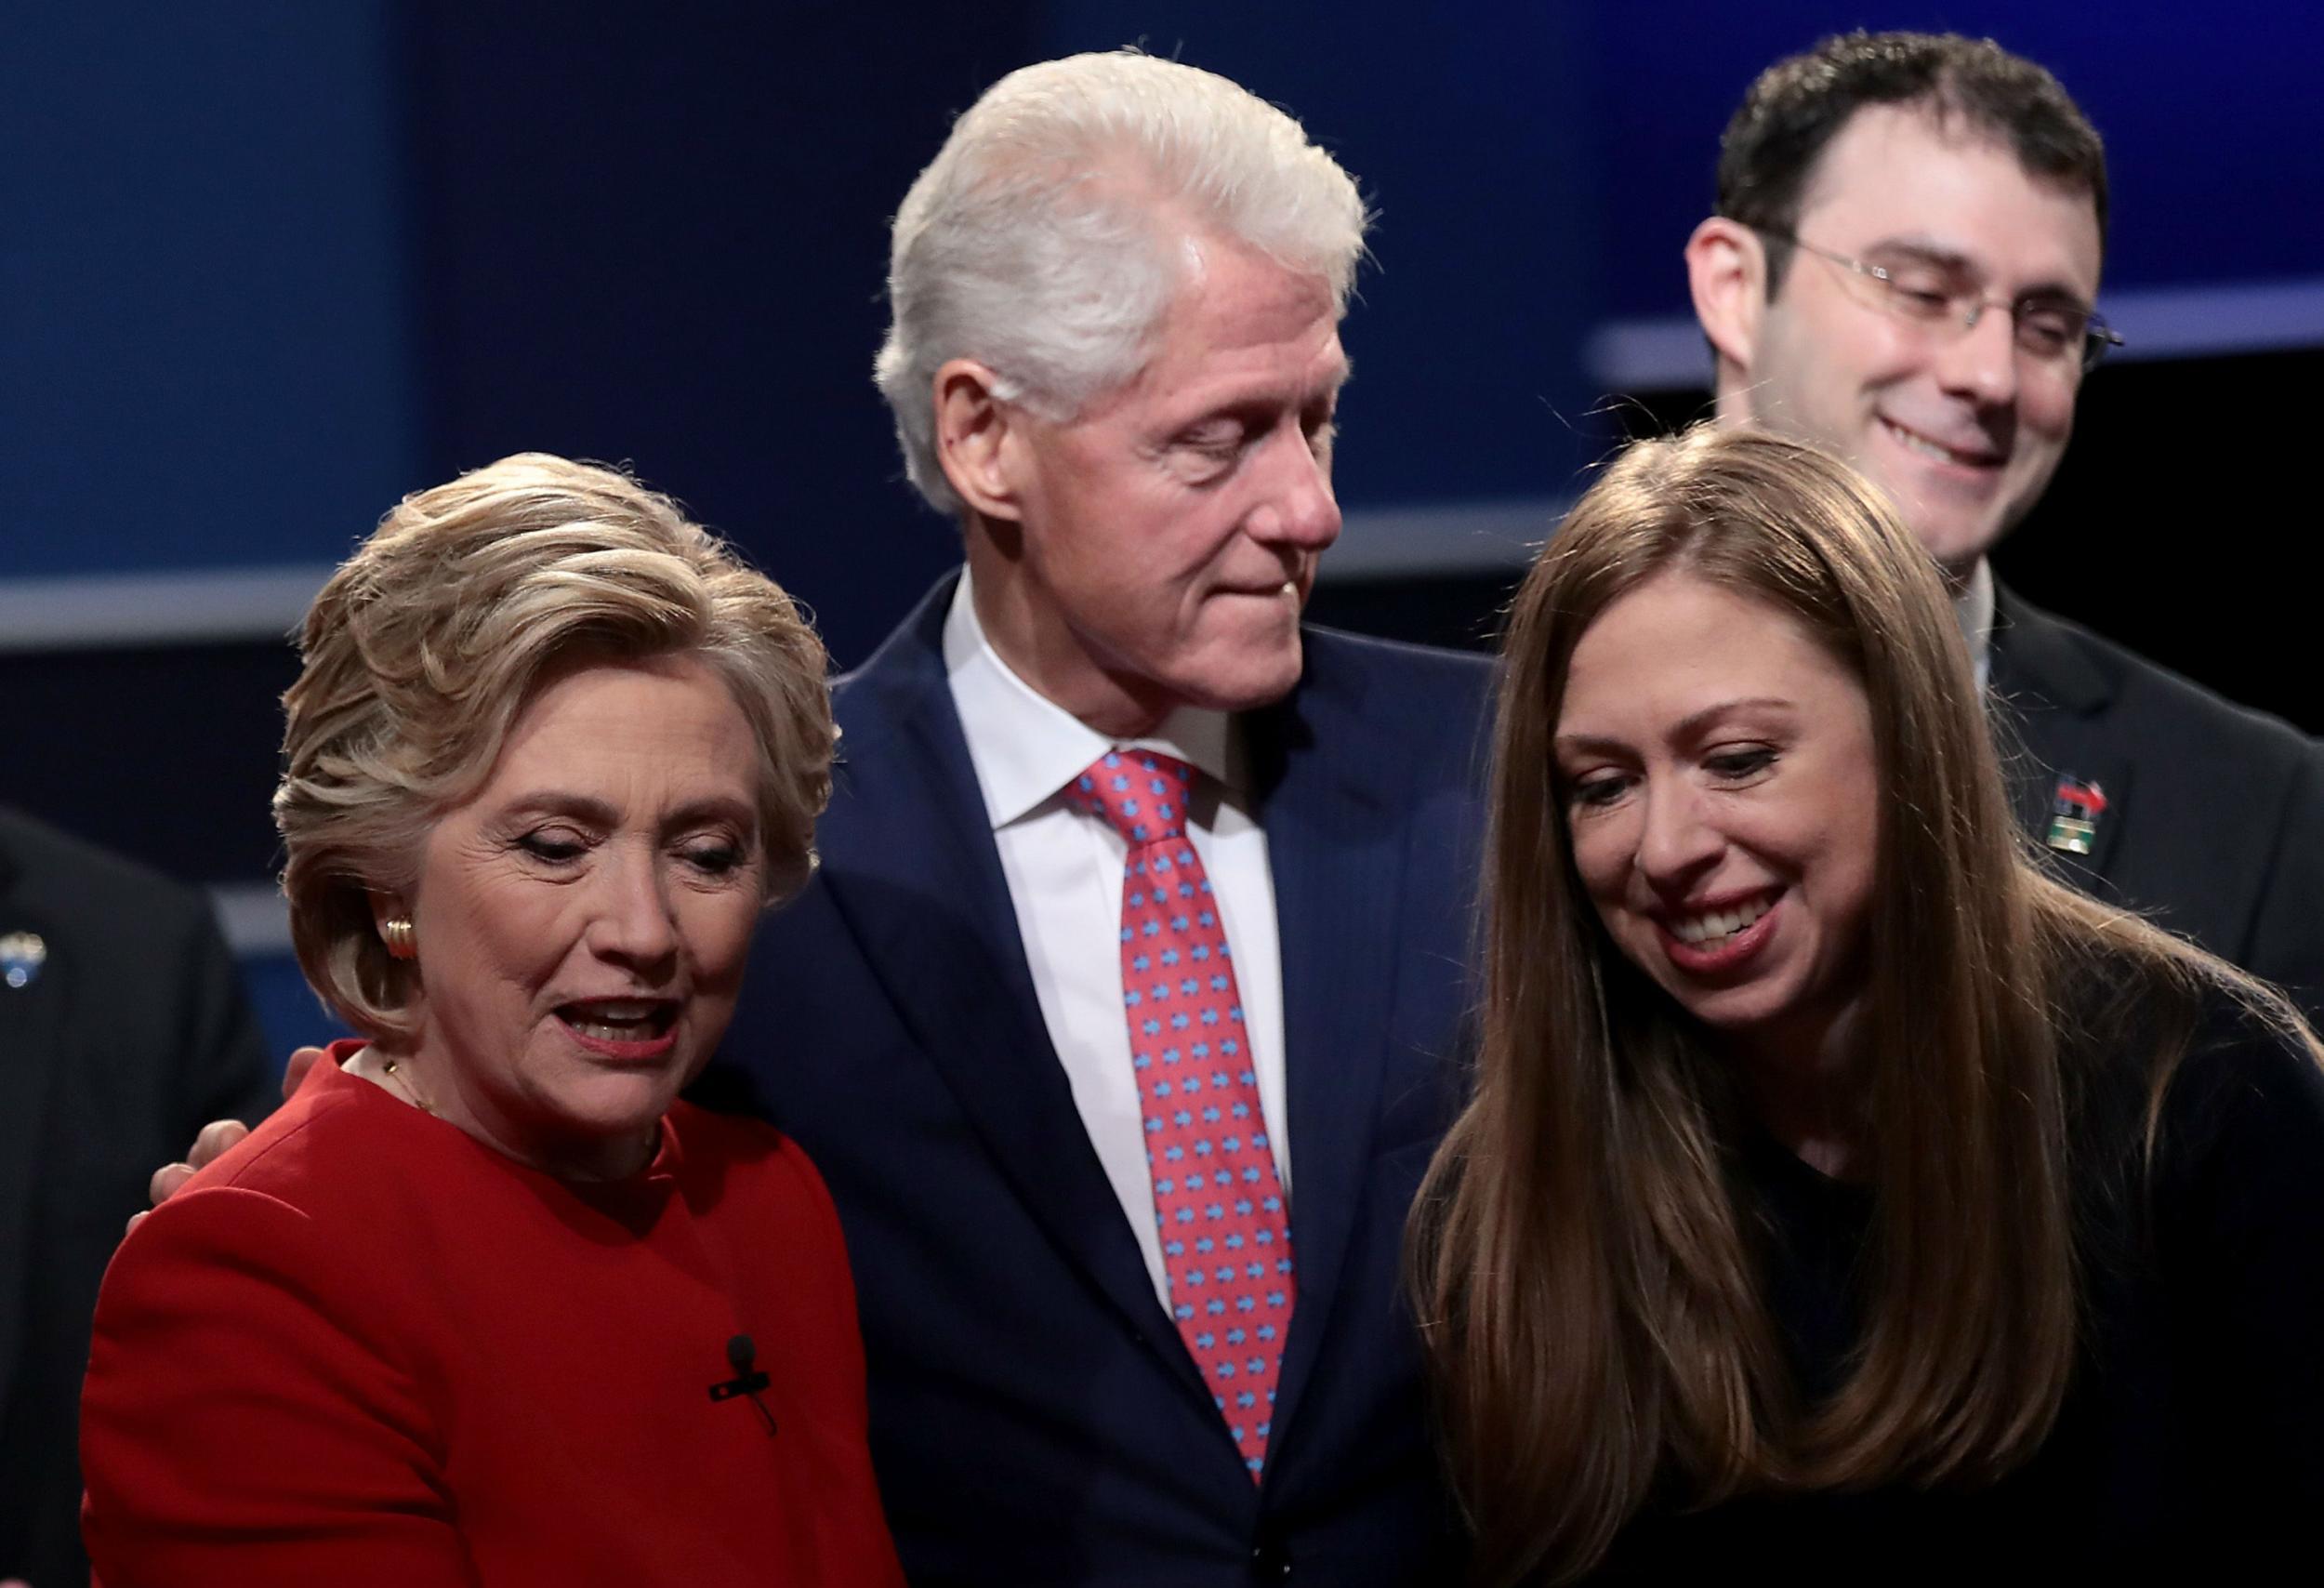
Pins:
x,y
264,267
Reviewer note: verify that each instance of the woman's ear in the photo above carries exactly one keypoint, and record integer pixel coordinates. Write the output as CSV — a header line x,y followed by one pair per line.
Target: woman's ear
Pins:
x,y
392,918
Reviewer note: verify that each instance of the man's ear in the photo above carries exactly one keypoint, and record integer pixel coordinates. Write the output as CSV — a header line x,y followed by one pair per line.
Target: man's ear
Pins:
x,y
1726,271
974,432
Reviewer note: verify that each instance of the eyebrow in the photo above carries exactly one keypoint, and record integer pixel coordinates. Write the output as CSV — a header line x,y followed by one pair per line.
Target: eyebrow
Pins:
x,y
1883,252
1687,727
556,802
1921,253
1273,397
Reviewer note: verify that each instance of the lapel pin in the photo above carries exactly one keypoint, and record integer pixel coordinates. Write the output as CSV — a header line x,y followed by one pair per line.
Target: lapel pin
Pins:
x,y
2073,813
21,956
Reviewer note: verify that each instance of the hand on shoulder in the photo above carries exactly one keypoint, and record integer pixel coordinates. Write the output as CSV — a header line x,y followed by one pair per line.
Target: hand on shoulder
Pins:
x,y
215,1139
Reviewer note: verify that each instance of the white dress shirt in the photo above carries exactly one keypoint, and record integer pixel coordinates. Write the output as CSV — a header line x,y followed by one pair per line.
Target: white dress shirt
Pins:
x,y
1064,874
1972,609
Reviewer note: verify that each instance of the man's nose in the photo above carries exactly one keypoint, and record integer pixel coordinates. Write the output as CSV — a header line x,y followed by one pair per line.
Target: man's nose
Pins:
x,y
1981,362
1299,509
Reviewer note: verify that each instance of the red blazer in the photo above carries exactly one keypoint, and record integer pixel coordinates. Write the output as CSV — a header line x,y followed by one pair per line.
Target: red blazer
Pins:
x,y
364,1349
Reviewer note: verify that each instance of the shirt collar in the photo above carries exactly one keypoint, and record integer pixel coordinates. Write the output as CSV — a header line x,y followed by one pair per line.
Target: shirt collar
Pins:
x,y
1025,748
1972,609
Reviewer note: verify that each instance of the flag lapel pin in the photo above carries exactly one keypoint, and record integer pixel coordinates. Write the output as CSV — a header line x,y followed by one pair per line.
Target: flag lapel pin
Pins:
x,y
2074,812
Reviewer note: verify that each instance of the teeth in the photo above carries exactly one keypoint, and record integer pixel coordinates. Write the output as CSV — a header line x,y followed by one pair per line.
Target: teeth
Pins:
x,y
612,1021
1701,929
610,1008
1927,448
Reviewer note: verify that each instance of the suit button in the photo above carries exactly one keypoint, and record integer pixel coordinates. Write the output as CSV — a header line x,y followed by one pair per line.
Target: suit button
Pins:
x,y
1270,1562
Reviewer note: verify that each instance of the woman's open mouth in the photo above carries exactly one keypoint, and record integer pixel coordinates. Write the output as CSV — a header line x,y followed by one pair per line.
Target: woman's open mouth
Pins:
x,y
622,1029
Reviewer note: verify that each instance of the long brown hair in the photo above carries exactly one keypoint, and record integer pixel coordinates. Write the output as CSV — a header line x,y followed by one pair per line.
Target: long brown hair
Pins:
x,y
1586,1285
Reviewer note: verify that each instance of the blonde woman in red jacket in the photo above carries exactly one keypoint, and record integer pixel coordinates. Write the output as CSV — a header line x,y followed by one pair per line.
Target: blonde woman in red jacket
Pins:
x,y
484,1302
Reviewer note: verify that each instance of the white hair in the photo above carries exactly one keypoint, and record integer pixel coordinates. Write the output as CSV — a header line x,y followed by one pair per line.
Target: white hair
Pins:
x,y
1048,235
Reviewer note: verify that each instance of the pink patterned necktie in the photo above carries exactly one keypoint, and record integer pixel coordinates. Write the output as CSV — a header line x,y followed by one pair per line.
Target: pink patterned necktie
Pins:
x,y
1226,1234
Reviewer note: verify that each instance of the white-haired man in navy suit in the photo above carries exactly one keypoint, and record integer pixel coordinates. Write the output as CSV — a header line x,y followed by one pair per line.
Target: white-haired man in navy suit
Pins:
x,y
1131,1300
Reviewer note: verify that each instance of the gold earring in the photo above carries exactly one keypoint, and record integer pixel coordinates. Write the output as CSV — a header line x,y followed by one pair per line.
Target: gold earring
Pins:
x,y
397,934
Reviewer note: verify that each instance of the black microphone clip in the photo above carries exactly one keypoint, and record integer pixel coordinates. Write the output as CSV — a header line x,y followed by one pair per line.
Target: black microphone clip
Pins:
x,y
740,1354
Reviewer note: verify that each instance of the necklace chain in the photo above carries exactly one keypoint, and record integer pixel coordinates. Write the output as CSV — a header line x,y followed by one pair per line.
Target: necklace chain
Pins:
x,y
409,1090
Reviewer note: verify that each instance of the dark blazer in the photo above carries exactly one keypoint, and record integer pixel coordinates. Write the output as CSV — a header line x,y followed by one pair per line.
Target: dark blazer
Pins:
x,y
2213,823
1034,1416
132,1034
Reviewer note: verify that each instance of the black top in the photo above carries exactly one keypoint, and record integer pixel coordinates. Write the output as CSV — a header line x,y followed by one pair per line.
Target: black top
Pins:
x,y
2191,1442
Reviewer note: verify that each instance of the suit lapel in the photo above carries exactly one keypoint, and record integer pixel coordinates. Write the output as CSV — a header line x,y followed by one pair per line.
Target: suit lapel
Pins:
x,y
1338,861
31,1052
911,866
2049,700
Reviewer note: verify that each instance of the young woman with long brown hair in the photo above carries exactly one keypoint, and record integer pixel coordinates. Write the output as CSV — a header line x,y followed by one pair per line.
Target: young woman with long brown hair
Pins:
x,y
1840,1193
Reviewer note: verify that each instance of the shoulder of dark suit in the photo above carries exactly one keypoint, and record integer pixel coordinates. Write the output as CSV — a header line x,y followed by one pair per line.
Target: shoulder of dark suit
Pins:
x,y
2045,661
75,881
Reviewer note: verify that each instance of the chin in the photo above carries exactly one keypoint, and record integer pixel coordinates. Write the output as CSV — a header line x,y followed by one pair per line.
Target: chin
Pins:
x,y
1740,1017
1253,677
1734,1012
616,1105
1251,694
1957,547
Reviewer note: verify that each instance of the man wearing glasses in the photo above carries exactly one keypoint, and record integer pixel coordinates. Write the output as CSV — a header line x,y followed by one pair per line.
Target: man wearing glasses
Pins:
x,y
1902,267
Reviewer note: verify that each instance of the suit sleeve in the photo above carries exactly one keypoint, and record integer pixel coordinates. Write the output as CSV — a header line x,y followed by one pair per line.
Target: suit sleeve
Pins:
x,y
2288,935
239,1427
223,1071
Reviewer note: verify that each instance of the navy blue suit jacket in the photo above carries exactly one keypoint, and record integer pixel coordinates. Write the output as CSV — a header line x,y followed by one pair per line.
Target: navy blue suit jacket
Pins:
x,y
1035,1419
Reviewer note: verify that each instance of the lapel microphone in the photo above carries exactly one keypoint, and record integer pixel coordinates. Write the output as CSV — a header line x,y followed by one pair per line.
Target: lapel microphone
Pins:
x,y
740,1354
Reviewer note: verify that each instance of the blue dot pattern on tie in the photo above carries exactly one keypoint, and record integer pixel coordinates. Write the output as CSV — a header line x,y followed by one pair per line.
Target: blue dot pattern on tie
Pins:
x,y
1226,1235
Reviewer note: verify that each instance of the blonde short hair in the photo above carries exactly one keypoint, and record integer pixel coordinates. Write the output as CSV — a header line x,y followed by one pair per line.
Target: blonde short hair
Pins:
x,y
424,646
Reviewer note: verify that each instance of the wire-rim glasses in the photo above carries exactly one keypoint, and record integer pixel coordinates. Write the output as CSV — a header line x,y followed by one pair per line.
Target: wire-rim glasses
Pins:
x,y
2046,327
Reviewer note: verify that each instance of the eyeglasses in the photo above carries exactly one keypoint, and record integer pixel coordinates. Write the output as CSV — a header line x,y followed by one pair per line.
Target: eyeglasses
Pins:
x,y
2051,329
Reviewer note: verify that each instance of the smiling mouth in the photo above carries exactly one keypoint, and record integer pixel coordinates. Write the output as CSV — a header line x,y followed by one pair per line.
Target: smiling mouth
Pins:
x,y
1913,442
1711,929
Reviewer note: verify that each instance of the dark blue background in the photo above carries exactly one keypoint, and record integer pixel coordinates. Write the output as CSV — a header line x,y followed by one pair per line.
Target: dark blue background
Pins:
x,y
265,267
